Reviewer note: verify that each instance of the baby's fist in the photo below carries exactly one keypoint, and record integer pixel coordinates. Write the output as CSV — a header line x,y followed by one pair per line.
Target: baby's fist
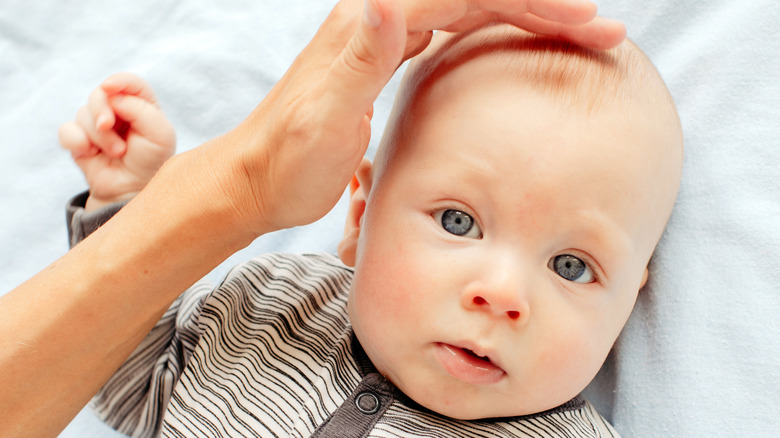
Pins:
x,y
119,139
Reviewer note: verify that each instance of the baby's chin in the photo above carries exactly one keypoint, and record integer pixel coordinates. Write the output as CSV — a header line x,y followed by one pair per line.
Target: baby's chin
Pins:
x,y
476,403
469,410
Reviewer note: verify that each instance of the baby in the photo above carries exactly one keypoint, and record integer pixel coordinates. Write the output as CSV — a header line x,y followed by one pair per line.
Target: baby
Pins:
x,y
493,252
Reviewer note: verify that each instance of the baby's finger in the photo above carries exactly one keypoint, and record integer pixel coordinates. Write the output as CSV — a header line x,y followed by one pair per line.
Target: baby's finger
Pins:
x,y
74,139
100,111
107,141
145,118
128,83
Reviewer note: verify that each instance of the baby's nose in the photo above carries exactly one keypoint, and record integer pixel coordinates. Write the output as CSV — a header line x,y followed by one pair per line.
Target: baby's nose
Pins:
x,y
503,298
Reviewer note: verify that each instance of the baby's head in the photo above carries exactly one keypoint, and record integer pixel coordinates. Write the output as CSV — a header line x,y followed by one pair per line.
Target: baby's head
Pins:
x,y
503,233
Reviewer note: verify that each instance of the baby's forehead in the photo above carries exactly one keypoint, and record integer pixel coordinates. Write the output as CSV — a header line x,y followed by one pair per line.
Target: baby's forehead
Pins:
x,y
572,74
621,82
551,166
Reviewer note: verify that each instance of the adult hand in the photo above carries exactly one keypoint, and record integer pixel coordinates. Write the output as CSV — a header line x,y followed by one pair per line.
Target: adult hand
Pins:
x,y
301,145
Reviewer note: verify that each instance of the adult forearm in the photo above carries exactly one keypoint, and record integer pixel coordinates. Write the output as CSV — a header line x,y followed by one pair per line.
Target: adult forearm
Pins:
x,y
65,331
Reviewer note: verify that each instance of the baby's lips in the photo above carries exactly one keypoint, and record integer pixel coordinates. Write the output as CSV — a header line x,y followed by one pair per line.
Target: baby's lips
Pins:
x,y
467,365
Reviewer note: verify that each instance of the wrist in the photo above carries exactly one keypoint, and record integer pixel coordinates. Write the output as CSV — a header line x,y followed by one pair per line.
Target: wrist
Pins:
x,y
233,171
95,202
203,190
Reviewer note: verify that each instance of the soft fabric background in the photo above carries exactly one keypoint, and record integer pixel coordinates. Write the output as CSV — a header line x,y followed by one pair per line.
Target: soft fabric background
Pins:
x,y
701,353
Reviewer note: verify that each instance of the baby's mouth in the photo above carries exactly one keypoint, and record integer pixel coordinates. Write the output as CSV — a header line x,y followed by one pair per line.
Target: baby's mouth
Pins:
x,y
475,355
466,365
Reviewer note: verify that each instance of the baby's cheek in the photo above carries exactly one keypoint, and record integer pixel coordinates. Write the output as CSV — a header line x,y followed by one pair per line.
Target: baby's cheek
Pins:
x,y
377,301
569,361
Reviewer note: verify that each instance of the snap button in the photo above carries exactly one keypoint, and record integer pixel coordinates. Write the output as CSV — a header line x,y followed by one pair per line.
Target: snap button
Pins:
x,y
367,403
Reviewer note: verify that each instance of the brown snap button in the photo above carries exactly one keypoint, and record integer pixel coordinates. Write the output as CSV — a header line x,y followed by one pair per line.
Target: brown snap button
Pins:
x,y
367,403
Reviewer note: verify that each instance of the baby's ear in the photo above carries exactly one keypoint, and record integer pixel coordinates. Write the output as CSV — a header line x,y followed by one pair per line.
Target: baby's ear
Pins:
x,y
644,278
359,188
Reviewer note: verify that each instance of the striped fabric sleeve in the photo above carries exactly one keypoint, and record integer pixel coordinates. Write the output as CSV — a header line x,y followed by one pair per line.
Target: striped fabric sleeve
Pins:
x,y
136,397
81,223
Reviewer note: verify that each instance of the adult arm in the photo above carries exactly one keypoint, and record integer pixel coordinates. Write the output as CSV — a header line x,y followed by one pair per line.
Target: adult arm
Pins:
x,y
65,331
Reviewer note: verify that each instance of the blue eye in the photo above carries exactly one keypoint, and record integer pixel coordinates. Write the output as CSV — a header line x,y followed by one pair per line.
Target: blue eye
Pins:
x,y
572,269
458,223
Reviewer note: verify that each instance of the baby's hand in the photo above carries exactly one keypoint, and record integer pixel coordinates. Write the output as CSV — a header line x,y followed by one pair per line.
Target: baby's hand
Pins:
x,y
119,139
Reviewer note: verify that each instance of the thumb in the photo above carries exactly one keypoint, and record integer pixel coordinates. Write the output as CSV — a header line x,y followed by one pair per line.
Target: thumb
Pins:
x,y
369,59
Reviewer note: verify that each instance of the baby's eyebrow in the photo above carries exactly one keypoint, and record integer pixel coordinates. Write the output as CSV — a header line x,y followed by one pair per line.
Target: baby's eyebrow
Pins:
x,y
611,240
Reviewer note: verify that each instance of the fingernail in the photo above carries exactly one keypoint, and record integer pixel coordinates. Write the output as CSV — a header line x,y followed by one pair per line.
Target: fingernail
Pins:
x,y
371,14
118,149
101,122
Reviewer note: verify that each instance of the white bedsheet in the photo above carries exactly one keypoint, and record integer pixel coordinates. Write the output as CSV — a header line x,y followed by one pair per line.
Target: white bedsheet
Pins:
x,y
700,356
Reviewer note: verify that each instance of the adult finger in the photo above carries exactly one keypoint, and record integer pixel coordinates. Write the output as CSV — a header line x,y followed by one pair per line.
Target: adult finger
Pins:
x,y
571,12
600,33
416,42
368,61
438,14
574,20
145,118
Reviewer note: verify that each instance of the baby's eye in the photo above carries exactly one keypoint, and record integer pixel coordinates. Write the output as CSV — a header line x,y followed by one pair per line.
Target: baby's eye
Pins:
x,y
458,223
572,268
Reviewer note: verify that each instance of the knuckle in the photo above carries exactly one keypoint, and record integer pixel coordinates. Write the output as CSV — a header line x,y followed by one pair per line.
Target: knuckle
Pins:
x,y
96,96
359,57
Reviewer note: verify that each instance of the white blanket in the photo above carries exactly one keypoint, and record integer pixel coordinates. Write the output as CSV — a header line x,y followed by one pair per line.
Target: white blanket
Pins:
x,y
700,356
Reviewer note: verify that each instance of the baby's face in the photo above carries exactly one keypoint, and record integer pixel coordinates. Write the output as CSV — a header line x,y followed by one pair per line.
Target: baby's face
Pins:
x,y
501,252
